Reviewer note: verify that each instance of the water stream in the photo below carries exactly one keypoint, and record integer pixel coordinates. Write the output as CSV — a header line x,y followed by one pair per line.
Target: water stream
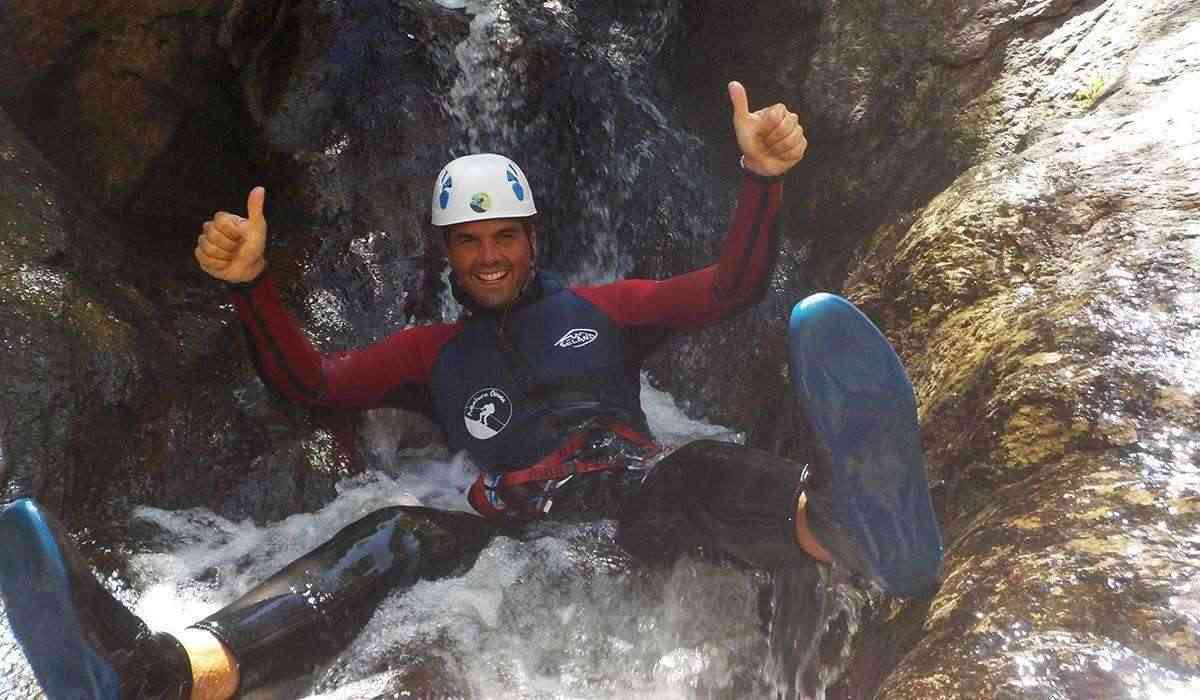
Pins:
x,y
559,613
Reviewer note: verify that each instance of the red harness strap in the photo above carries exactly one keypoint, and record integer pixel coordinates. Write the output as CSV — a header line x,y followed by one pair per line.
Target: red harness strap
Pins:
x,y
487,494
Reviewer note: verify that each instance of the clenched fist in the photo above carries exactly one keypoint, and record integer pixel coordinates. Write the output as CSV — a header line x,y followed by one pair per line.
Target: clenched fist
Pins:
x,y
231,247
771,139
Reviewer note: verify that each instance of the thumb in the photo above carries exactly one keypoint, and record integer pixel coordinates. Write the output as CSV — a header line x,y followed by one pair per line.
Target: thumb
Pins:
x,y
737,96
254,204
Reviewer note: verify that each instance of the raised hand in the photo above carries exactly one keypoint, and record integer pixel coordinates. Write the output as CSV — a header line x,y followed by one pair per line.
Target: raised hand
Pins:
x,y
231,247
771,139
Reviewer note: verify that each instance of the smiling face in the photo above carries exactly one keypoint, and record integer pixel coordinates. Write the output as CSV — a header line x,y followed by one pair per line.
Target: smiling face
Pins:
x,y
491,259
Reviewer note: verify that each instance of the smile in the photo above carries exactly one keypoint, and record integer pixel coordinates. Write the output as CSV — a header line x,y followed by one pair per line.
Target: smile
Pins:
x,y
491,276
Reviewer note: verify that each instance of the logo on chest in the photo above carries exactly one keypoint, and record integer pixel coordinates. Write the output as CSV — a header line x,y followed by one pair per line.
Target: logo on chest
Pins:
x,y
576,338
487,413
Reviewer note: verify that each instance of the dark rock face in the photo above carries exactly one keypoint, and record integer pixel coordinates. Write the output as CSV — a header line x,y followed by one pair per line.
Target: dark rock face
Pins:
x,y
1007,186
81,346
121,387
131,101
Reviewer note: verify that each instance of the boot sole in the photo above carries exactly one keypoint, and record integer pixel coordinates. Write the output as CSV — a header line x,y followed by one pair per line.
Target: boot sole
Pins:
x,y
859,404
37,594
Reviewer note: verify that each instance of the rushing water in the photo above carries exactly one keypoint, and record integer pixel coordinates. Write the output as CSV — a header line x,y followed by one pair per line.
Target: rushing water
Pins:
x,y
599,106
567,89
559,613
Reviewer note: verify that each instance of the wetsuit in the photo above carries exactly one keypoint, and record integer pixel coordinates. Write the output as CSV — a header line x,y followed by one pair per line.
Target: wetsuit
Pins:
x,y
557,357
511,388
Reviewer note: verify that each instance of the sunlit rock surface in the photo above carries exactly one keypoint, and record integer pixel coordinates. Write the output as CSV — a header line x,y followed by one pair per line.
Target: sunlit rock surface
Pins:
x,y
1047,306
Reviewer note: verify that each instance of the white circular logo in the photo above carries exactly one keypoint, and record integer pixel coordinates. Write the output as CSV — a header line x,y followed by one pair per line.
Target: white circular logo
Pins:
x,y
487,413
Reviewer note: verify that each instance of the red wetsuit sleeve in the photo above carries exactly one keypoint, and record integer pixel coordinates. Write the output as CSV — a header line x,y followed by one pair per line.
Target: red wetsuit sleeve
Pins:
x,y
701,297
360,378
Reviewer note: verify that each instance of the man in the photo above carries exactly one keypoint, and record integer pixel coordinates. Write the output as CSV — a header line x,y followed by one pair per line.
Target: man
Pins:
x,y
539,384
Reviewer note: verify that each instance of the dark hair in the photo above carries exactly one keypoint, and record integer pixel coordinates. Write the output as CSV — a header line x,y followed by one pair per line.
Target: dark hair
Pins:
x,y
527,222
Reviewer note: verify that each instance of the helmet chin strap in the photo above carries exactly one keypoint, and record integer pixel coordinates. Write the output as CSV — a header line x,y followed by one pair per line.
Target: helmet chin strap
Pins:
x,y
525,288
531,236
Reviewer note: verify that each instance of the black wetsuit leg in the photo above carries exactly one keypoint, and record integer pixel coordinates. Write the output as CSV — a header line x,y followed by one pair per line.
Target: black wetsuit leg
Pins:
x,y
718,497
300,618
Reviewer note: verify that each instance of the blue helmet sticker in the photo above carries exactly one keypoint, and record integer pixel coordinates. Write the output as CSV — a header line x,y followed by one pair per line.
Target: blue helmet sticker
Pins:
x,y
516,184
444,197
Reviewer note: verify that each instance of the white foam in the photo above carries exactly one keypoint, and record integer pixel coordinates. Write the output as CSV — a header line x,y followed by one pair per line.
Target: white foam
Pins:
x,y
562,614
672,427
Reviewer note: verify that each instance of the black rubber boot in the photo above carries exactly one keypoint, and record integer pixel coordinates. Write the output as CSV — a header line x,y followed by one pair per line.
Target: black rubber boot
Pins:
x,y
291,625
81,642
869,502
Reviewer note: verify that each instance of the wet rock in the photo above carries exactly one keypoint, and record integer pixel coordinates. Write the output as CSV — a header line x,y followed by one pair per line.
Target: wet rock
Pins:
x,y
82,351
346,101
978,25
117,95
881,115
1042,303
119,389
1046,307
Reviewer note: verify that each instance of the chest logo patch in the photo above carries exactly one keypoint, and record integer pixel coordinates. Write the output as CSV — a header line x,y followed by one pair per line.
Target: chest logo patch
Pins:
x,y
576,338
487,413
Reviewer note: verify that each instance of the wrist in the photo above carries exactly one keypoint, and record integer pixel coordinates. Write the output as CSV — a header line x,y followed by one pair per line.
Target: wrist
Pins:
x,y
251,280
755,173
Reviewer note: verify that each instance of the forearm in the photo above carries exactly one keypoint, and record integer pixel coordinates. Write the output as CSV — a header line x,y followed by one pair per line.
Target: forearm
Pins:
x,y
392,371
748,250
697,298
285,357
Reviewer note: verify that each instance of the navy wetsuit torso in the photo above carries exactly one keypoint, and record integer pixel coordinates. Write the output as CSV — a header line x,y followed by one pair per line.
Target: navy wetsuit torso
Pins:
x,y
510,386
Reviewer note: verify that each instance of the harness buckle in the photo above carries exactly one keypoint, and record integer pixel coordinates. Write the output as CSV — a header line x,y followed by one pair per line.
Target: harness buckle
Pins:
x,y
491,488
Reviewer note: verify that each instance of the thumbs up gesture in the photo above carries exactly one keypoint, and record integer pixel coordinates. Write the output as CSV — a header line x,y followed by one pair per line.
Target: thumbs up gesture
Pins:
x,y
231,247
771,139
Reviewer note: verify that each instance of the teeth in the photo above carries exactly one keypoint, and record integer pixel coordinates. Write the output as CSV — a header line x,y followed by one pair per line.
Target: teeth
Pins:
x,y
491,276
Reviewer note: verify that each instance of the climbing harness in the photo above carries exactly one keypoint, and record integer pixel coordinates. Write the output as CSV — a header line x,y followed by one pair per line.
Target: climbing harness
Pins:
x,y
526,494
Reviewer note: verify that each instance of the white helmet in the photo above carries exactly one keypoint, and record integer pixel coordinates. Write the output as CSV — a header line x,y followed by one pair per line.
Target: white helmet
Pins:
x,y
481,186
